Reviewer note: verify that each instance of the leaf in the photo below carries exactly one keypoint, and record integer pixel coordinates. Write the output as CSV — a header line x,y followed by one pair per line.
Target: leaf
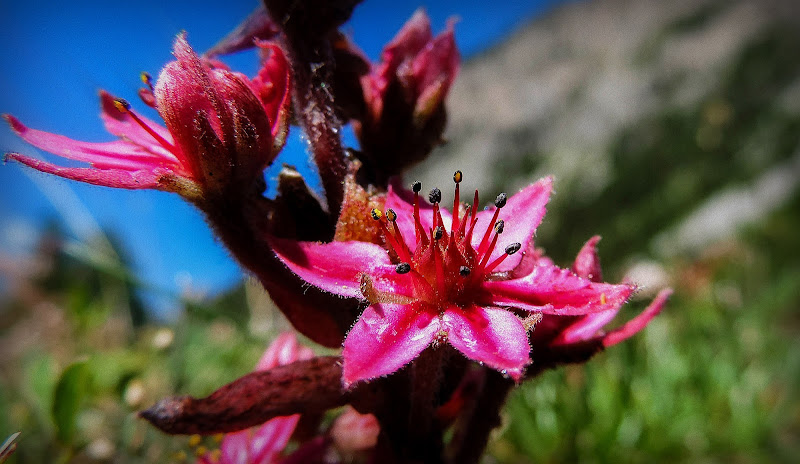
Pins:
x,y
71,390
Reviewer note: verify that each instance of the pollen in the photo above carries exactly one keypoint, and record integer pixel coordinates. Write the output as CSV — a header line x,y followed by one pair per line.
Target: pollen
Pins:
x,y
122,105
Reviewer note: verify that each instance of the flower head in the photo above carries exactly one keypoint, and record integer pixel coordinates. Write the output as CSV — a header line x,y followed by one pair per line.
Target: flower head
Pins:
x,y
222,130
263,444
442,278
423,66
404,97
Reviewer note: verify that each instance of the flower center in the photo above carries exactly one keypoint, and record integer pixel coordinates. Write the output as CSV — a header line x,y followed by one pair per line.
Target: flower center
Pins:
x,y
444,266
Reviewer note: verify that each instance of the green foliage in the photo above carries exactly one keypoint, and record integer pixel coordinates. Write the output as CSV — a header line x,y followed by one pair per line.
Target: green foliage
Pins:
x,y
72,389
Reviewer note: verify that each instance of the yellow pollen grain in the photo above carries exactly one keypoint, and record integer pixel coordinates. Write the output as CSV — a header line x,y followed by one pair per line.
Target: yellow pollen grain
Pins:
x,y
602,298
120,106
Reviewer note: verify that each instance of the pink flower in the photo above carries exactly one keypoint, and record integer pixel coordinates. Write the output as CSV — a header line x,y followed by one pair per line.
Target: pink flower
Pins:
x,y
263,444
443,278
222,130
404,115
424,67
562,335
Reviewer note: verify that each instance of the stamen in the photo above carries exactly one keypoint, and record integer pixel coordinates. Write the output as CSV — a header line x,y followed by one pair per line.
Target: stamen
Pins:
x,y
435,196
501,199
419,231
510,250
474,218
392,217
457,177
440,281
125,108
499,226
499,202
464,271
147,79
400,249
488,252
513,248
403,268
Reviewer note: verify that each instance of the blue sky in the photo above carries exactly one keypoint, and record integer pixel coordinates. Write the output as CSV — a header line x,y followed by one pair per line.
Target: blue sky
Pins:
x,y
57,55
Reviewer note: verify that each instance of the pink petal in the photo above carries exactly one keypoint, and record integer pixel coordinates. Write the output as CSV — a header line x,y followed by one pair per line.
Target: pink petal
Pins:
x,y
235,447
123,125
401,201
272,85
522,214
117,178
557,291
585,328
639,322
184,90
271,438
489,335
283,350
435,68
107,155
385,338
587,263
337,267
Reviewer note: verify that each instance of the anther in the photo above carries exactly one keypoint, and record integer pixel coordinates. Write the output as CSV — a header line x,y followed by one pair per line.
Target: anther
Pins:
x,y
464,271
376,214
500,201
147,79
513,248
122,105
416,186
438,233
403,268
435,196
457,176
391,215
499,226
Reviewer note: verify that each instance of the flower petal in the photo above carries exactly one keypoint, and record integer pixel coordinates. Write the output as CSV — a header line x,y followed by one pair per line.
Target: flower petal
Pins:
x,y
557,291
106,155
385,338
283,350
338,267
118,178
639,322
522,213
585,328
271,438
587,262
489,335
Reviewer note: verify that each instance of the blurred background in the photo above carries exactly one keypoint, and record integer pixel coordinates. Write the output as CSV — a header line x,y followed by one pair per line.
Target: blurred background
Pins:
x,y
672,128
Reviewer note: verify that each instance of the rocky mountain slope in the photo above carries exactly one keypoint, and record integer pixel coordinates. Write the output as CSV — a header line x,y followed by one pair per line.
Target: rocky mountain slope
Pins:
x,y
649,113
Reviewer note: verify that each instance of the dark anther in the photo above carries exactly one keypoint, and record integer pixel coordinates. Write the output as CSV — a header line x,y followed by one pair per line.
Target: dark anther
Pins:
x,y
457,176
391,215
513,248
437,234
500,201
435,196
376,214
499,225
403,268
464,271
122,105
416,186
